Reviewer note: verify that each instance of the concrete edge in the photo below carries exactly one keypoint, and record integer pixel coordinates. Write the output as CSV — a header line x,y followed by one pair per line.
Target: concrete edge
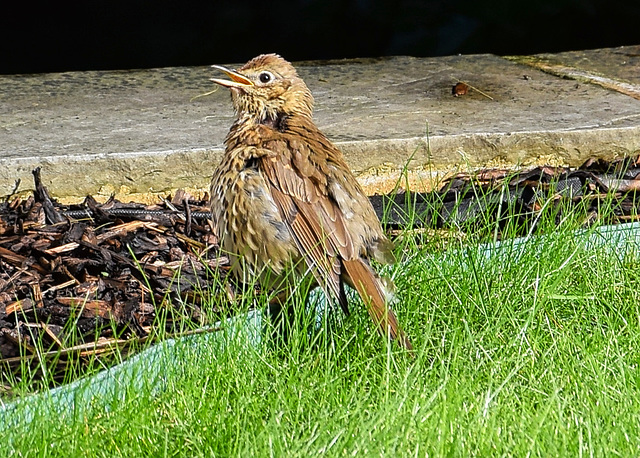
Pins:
x,y
380,165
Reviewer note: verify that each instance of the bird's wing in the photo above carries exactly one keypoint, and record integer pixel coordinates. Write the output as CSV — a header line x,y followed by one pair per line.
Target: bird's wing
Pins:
x,y
299,188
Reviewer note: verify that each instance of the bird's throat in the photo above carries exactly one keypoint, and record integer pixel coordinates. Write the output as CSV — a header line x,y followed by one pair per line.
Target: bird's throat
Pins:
x,y
277,122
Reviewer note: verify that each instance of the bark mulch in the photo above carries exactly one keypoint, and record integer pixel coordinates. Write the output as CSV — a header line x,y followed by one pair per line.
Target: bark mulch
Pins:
x,y
84,280
81,281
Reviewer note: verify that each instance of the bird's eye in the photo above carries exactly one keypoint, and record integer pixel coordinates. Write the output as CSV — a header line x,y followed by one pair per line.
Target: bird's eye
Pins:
x,y
265,77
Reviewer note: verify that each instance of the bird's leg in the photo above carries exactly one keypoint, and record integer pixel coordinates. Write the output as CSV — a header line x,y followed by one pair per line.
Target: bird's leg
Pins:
x,y
281,313
290,309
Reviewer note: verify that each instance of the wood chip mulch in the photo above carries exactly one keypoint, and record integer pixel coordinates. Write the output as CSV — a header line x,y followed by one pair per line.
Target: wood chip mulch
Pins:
x,y
80,283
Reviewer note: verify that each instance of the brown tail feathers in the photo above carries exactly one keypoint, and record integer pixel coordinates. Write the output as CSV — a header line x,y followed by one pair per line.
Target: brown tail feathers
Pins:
x,y
361,277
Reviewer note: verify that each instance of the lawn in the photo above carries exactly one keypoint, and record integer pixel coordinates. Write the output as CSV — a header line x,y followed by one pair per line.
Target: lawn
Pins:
x,y
532,351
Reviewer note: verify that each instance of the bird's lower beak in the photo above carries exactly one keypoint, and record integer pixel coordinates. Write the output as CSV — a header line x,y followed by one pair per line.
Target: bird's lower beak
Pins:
x,y
237,80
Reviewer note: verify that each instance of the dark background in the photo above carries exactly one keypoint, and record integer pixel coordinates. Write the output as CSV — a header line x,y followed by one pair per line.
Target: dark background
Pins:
x,y
92,35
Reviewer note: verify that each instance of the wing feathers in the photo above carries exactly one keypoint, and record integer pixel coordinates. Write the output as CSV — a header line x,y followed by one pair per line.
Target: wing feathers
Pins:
x,y
299,188
318,254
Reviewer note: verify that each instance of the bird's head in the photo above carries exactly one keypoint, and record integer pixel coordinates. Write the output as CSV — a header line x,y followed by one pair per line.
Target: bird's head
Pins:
x,y
267,88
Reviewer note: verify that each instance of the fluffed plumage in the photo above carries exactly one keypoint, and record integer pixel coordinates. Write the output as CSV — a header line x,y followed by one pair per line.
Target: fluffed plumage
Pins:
x,y
283,195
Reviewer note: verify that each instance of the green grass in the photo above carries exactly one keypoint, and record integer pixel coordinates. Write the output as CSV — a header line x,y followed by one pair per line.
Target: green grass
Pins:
x,y
534,353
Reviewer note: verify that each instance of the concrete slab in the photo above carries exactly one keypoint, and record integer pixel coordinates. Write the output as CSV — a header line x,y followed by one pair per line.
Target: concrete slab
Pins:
x,y
141,131
621,63
615,69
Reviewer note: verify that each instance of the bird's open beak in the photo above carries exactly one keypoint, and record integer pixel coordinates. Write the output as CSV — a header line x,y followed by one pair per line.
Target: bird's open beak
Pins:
x,y
237,80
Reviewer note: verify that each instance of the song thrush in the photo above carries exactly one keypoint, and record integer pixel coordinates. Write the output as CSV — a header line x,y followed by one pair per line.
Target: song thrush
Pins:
x,y
284,196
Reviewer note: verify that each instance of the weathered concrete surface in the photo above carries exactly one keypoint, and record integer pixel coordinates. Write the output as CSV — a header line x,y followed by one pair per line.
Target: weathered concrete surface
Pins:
x,y
141,130
617,69
621,63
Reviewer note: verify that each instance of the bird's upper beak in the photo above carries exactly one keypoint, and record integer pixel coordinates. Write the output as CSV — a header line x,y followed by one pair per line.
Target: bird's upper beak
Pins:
x,y
237,80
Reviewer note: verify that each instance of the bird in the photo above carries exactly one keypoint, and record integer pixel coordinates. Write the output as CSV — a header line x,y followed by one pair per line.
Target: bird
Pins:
x,y
284,199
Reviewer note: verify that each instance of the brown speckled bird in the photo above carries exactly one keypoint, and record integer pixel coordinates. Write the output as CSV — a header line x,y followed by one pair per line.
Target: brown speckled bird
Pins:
x,y
284,196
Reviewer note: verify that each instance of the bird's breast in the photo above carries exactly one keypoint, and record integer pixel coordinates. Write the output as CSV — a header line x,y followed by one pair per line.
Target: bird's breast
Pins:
x,y
248,222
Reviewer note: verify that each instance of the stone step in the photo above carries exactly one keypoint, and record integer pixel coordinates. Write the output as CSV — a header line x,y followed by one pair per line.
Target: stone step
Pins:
x,y
148,131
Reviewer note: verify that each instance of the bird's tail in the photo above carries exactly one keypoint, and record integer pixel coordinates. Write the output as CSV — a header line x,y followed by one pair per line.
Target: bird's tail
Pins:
x,y
362,277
